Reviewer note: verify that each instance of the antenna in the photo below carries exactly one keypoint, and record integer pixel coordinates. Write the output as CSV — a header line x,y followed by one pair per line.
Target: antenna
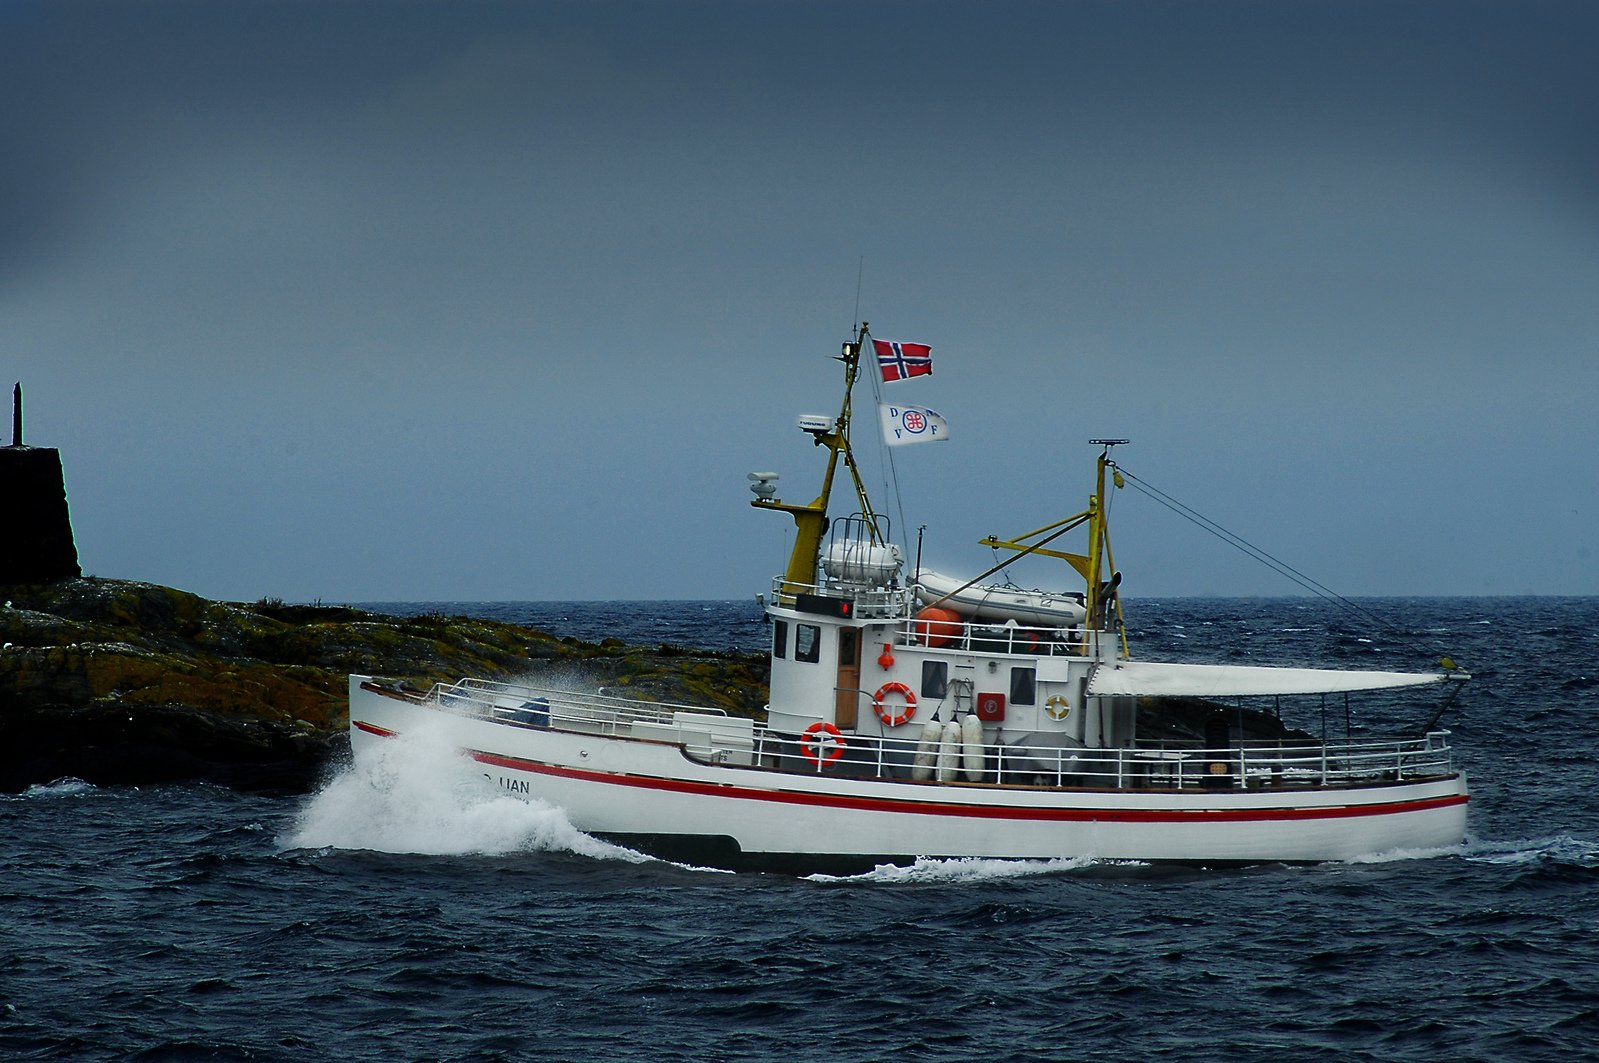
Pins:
x,y
860,272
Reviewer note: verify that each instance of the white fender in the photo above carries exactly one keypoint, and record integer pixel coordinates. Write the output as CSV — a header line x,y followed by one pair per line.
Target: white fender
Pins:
x,y
927,750
972,759
949,752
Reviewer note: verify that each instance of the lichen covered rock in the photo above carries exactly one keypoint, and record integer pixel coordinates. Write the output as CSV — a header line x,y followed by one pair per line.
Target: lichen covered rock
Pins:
x,y
115,681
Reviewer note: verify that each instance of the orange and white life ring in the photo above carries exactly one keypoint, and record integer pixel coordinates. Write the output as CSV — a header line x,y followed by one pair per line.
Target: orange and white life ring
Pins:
x,y
822,742
885,712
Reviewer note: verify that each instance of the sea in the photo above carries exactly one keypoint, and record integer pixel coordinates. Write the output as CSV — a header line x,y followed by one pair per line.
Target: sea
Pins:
x,y
414,914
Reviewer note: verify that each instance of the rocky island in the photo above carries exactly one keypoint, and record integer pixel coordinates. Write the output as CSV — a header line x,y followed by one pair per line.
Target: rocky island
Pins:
x,y
118,682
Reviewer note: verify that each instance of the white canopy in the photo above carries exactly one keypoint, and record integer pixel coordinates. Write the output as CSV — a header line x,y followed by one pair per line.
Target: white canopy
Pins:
x,y
1143,679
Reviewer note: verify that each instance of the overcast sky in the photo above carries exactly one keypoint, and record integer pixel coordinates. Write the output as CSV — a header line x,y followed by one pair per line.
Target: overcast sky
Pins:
x,y
378,301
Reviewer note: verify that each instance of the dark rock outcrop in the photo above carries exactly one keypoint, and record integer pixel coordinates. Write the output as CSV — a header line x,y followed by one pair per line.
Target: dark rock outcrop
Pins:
x,y
114,681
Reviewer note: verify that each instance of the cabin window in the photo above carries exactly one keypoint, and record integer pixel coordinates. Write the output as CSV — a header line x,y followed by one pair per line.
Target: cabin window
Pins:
x,y
935,679
807,643
780,639
1021,686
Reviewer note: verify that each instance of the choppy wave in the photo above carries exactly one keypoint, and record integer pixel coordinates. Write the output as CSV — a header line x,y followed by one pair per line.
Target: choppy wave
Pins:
x,y
67,787
960,870
416,794
1391,856
446,919
1555,849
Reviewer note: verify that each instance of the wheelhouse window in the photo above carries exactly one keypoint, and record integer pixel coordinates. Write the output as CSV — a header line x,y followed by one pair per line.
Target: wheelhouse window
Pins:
x,y
807,643
780,638
935,679
1022,686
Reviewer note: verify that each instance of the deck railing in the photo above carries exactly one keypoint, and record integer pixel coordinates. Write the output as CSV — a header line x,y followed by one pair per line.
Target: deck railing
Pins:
x,y
713,736
562,709
979,637
868,602
1144,766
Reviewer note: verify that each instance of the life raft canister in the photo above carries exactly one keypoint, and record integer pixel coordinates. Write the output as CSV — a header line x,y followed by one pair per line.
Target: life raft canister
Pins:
x,y
885,712
1057,707
937,627
822,743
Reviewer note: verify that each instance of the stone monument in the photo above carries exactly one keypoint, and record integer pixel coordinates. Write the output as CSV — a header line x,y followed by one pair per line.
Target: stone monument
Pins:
x,y
36,544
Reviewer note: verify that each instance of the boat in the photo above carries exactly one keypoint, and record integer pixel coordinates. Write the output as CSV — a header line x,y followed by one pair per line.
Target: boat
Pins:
x,y
998,601
898,729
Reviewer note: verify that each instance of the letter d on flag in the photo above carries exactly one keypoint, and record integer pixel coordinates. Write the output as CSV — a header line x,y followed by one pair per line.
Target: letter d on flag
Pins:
x,y
911,424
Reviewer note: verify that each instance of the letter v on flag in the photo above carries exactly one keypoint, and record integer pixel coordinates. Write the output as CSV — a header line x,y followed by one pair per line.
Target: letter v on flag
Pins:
x,y
897,361
911,424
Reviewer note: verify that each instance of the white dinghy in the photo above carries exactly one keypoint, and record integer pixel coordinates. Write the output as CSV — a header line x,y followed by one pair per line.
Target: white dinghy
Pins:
x,y
999,602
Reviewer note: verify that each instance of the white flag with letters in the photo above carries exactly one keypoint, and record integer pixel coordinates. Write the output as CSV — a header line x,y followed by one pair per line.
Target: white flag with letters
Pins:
x,y
911,424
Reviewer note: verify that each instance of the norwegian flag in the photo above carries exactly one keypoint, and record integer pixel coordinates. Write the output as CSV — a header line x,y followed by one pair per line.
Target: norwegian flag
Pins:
x,y
900,360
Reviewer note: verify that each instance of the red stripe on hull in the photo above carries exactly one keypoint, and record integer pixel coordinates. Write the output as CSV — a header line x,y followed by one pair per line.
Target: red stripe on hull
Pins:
x,y
932,808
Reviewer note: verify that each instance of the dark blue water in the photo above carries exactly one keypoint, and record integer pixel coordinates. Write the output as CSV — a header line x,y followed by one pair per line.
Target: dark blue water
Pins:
x,y
421,917
707,625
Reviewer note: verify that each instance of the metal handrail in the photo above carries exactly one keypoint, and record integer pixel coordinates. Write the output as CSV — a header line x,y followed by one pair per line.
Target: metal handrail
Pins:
x,y
980,637
492,699
1156,764
971,636
868,601
1252,765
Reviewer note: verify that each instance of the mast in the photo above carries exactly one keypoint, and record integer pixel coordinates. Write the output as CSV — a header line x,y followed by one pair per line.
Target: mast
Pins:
x,y
811,520
1093,565
1101,593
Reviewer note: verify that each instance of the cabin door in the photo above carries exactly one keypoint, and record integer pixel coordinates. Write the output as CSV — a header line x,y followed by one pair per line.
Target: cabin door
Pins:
x,y
849,677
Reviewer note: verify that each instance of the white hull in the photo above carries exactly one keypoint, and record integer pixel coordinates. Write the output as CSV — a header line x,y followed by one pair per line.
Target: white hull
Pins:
x,y
652,795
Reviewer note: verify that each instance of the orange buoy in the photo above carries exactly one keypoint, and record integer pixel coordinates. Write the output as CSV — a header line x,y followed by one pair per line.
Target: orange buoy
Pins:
x,y
885,711
936,626
822,743
885,660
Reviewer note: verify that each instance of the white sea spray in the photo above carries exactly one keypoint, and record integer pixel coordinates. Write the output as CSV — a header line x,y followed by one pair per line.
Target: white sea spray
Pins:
x,y
957,870
64,787
417,794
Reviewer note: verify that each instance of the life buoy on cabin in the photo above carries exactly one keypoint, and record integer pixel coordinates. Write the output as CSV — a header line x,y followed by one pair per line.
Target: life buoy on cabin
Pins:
x,y
885,711
822,742
1057,707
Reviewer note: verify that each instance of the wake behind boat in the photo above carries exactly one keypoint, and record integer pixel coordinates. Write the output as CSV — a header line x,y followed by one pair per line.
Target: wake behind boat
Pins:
x,y
912,715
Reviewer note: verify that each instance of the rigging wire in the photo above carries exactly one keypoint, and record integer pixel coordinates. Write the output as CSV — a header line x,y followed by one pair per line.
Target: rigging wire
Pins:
x,y
860,276
1325,593
885,453
1250,549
